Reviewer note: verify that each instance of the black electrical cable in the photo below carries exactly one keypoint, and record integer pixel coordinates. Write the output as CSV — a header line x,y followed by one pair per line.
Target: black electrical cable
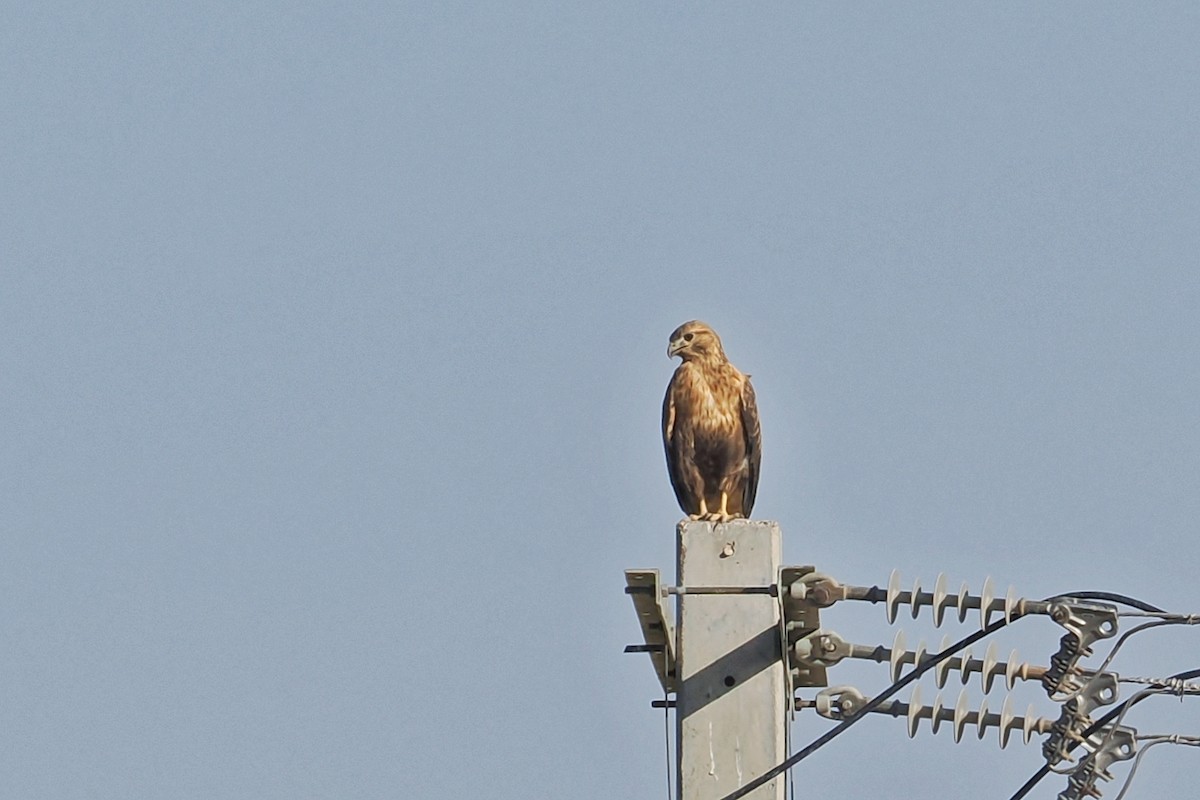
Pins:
x,y
919,670
1113,597
1095,726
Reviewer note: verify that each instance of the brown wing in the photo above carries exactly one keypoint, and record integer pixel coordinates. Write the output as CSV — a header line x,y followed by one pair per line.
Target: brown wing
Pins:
x,y
753,433
679,444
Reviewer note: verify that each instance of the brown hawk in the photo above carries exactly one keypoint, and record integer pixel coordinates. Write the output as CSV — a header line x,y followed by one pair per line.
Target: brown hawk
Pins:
x,y
710,428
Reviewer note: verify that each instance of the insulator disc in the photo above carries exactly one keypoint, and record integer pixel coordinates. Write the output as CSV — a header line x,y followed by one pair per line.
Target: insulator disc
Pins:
x,y
939,599
935,720
985,601
893,596
1012,669
942,670
989,667
896,660
960,715
962,602
1006,721
914,711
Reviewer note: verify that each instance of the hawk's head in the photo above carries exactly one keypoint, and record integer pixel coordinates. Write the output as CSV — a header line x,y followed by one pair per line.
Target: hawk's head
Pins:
x,y
695,341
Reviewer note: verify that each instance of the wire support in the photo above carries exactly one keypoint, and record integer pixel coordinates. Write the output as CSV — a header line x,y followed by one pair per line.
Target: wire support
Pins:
x,y
1099,724
1175,686
1113,654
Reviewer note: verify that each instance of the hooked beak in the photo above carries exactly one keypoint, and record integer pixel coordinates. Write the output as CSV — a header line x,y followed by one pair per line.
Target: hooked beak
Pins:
x,y
674,347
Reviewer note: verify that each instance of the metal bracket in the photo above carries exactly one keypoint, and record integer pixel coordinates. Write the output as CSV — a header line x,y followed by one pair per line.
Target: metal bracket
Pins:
x,y
1076,716
644,587
820,648
1086,623
1101,690
1108,746
799,618
839,702
1089,621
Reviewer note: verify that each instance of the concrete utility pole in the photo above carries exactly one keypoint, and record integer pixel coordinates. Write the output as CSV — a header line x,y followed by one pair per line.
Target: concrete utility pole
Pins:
x,y
731,699
722,658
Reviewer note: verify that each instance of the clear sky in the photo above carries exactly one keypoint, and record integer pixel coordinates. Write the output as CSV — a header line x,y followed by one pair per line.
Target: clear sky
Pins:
x,y
332,347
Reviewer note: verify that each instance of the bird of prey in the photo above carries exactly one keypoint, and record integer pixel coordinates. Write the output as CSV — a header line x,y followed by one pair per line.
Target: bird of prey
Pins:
x,y
710,428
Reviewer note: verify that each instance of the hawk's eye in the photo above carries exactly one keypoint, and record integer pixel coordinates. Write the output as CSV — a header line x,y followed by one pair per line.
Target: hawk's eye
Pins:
x,y
687,337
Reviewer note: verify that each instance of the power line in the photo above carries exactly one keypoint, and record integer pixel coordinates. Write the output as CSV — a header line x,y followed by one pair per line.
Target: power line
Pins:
x,y
1151,742
1113,597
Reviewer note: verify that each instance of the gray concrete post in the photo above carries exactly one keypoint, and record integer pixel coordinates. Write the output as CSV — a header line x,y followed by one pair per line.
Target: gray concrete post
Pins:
x,y
731,707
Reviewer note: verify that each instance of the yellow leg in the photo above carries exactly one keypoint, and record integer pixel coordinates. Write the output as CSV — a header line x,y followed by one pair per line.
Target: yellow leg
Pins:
x,y
703,513
723,514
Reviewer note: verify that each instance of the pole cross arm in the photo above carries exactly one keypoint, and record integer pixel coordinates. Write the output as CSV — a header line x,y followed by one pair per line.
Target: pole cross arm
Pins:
x,y
644,587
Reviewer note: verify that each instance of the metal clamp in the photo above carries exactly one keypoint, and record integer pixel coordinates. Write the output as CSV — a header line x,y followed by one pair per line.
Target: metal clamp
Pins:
x,y
1076,717
1086,623
799,621
1108,747
820,648
839,702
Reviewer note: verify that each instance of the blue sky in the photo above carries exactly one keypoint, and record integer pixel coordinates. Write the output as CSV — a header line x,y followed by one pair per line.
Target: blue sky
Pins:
x,y
332,346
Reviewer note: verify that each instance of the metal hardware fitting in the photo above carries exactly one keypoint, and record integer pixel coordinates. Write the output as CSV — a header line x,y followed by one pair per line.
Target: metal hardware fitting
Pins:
x,y
1076,716
643,587
799,618
1107,747
1086,623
